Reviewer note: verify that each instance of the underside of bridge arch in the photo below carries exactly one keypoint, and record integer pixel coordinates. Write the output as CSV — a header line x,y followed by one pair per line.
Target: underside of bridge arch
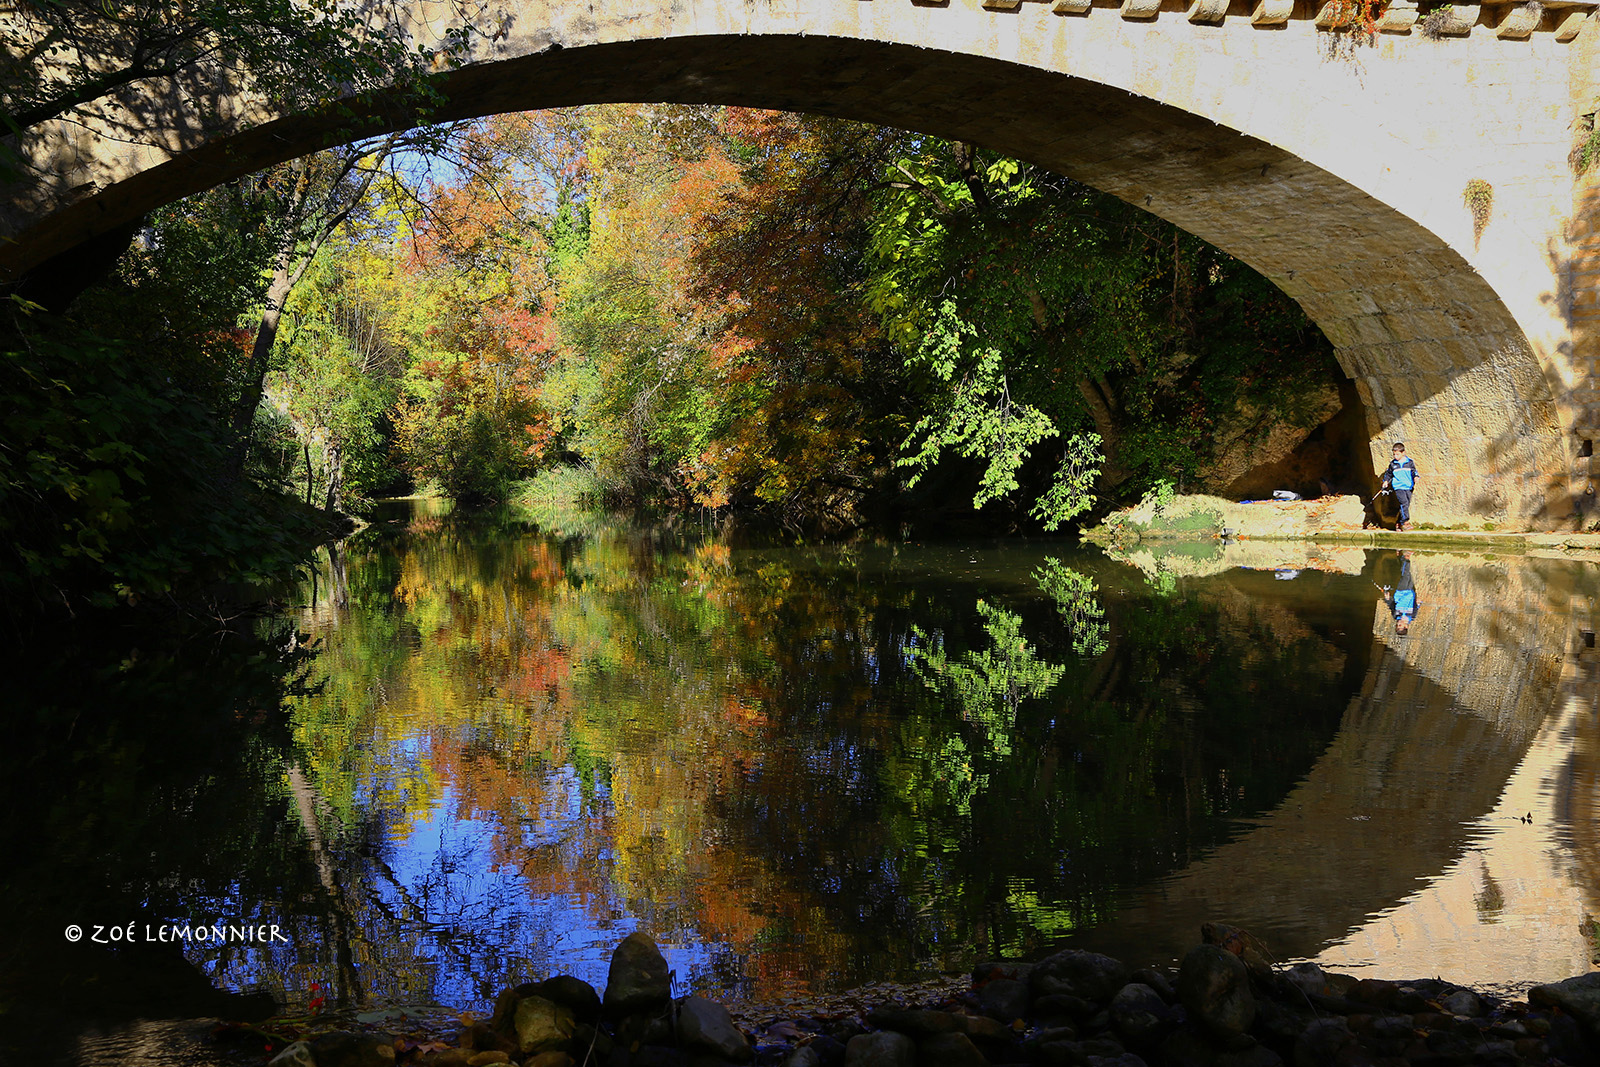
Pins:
x,y
1438,359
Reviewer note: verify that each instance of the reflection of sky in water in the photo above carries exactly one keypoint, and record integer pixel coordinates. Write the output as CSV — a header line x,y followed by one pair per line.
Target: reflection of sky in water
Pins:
x,y
448,879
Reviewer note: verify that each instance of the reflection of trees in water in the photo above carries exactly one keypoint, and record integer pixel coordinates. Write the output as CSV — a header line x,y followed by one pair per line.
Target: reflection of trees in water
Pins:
x,y
823,765
1489,899
987,686
139,777
820,762
1075,595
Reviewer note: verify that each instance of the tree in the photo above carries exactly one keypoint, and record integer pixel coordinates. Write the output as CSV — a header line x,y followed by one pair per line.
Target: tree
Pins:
x,y
339,373
480,325
1034,307
312,197
820,392
63,56
634,378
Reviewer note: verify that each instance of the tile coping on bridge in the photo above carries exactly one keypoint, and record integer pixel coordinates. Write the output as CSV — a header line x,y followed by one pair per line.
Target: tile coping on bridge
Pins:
x,y
1510,21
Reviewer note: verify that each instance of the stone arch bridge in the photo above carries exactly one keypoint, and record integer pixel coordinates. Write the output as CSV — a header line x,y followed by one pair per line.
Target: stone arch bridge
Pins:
x,y
1342,169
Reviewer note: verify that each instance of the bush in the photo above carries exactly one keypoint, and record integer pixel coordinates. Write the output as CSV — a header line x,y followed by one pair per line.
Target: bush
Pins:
x,y
113,484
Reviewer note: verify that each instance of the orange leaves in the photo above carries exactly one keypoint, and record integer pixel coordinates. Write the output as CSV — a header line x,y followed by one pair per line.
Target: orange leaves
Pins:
x,y
702,188
708,478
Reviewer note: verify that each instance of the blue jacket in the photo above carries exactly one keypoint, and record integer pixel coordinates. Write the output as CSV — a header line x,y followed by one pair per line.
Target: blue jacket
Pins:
x,y
1402,473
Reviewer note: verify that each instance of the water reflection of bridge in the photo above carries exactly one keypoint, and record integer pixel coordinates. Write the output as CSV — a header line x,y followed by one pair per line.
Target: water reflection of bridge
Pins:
x,y
1405,840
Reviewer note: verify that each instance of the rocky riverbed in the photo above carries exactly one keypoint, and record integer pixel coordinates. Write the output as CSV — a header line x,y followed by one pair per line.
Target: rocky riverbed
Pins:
x,y
1225,1006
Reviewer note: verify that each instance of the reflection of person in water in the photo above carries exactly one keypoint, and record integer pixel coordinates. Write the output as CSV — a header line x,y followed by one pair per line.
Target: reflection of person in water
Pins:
x,y
1402,599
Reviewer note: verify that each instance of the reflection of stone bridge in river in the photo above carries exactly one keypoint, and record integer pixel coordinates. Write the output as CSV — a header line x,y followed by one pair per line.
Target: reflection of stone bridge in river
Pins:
x,y
1484,713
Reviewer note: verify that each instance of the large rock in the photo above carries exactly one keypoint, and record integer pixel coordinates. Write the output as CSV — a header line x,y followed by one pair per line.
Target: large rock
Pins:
x,y
1579,997
1077,973
1463,1002
639,979
1155,980
542,1025
1322,1042
1190,1048
706,1026
1004,998
549,1059
1059,1008
990,970
500,1032
575,993
919,1022
949,1050
1249,949
1308,978
1140,1015
1214,987
1252,443
882,1049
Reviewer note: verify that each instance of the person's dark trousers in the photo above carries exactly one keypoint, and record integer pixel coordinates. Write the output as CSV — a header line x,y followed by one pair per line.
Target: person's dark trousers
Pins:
x,y
1403,498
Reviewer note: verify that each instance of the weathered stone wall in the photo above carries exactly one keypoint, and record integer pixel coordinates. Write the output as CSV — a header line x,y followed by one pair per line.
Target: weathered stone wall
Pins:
x,y
1580,289
1338,171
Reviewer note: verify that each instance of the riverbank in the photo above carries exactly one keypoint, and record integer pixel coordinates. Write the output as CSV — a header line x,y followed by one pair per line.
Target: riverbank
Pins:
x,y
1226,1005
1340,520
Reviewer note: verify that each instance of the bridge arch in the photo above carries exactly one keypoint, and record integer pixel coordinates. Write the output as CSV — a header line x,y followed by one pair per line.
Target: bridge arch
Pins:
x,y
1340,177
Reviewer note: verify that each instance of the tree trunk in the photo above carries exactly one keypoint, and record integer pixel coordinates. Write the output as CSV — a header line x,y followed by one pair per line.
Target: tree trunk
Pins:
x,y
333,456
1113,473
350,988
255,374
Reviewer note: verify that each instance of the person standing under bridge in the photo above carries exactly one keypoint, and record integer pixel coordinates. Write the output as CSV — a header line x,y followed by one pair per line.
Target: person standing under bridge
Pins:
x,y
1401,479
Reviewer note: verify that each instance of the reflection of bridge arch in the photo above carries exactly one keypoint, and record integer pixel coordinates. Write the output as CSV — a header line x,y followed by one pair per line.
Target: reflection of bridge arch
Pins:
x,y
1341,180
1392,832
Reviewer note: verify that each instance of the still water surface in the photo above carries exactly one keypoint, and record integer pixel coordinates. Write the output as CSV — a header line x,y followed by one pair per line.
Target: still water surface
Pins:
x,y
802,769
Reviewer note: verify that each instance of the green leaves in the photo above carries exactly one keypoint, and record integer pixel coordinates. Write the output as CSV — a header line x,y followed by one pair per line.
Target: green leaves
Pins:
x,y
300,55
1077,598
977,415
989,685
116,497
1071,491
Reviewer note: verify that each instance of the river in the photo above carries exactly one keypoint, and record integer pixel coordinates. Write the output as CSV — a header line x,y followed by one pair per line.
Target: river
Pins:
x,y
805,768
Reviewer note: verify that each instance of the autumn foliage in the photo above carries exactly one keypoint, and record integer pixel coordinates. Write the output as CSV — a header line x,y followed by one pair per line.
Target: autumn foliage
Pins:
x,y
814,320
